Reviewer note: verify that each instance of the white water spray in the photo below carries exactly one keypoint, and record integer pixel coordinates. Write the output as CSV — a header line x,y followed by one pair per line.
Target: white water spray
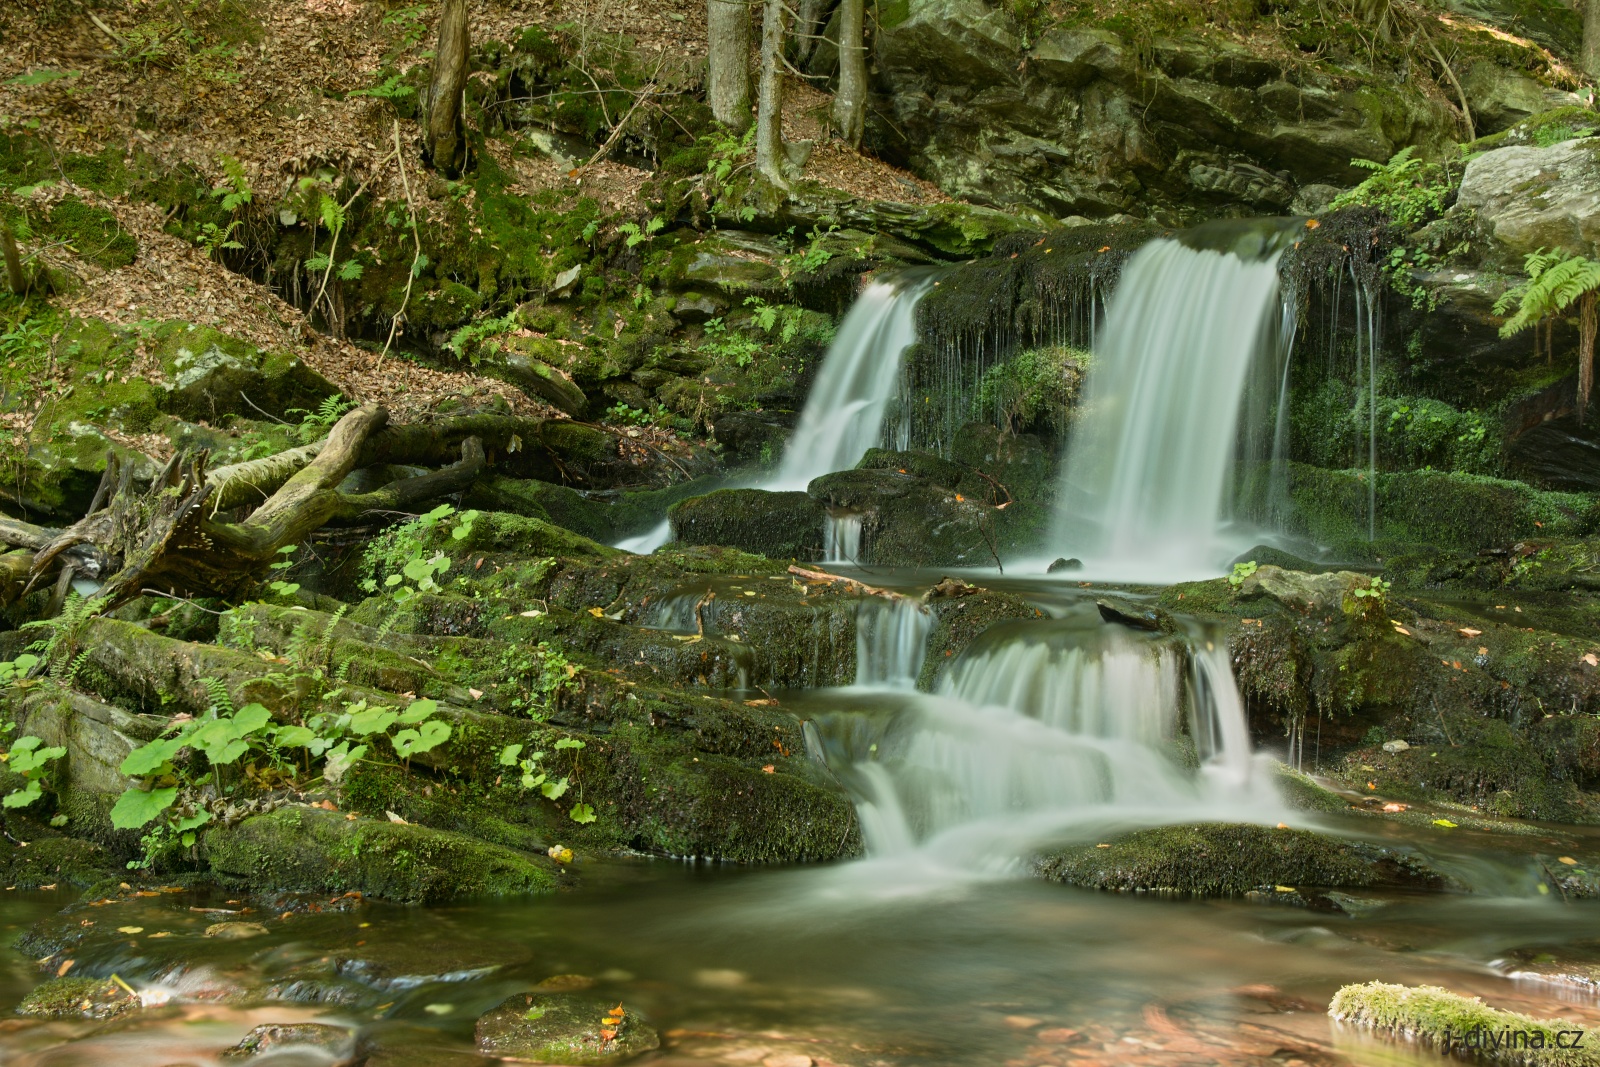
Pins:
x,y
1149,467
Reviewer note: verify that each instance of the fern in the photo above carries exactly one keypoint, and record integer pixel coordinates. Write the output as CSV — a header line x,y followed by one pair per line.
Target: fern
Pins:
x,y
1555,282
78,663
221,699
324,651
57,651
235,191
1406,188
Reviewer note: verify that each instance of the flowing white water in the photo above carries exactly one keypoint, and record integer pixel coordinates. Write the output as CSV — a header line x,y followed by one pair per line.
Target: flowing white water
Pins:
x,y
1033,739
844,414
891,643
841,538
1149,467
860,375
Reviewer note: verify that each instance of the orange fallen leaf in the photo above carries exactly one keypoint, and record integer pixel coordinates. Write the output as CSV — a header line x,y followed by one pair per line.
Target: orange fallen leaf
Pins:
x,y
769,769
1393,807
1469,631
1568,860
66,965
477,694
1105,248
1589,658
1370,785
1312,224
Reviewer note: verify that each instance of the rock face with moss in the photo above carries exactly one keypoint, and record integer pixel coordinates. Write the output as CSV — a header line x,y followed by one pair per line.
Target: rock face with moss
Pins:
x,y
1189,122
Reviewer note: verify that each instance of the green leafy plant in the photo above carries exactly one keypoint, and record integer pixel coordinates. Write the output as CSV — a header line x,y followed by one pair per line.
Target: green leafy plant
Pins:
x,y
234,190
391,88
212,238
315,424
785,318
466,341
532,776
1375,592
1556,281
634,235
1241,571
28,759
720,343
1407,189
35,78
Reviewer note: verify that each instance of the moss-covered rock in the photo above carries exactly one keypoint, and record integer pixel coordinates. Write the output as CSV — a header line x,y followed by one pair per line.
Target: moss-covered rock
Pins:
x,y
309,849
1451,1023
1459,512
1216,859
605,516
93,233
210,374
544,1027
777,525
78,998
56,860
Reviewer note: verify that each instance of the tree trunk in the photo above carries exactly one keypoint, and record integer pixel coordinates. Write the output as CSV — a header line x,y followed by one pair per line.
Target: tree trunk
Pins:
x,y
1591,38
1587,321
441,129
850,99
810,21
771,160
728,62
14,276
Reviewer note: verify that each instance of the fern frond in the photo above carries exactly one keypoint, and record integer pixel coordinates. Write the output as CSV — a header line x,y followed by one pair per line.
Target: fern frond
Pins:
x,y
221,699
77,665
1556,281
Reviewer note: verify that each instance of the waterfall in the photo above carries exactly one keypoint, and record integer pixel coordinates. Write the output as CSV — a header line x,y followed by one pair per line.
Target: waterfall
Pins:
x,y
1041,734
860,375
844,415
841,538
1148,476
891,642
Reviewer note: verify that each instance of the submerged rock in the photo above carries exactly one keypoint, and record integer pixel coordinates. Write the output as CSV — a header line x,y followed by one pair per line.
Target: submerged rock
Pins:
x,y
1216,859
270,1039
78,998
564,1028
1446,1021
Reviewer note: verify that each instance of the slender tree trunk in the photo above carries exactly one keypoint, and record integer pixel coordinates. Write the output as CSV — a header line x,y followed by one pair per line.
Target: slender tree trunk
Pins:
x,y
441,130
811,19
728,62
770,157
1591,37
850,99
14,276
1588,319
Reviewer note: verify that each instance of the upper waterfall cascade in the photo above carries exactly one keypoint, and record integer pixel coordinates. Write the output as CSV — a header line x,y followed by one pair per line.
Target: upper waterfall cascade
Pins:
x,y
1149,467
845,412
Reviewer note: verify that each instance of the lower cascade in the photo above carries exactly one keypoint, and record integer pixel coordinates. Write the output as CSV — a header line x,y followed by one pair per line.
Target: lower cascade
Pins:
x,y
1042,733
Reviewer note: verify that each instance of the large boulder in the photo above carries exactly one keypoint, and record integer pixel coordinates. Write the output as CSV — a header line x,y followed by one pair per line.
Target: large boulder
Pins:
x,y
1527,197
778,525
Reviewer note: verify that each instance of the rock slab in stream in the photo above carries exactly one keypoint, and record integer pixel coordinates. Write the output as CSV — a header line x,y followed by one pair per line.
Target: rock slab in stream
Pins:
x,y
563,1028
1216,859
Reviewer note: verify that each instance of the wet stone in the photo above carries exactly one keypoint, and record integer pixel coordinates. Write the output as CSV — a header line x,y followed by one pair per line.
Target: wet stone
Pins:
x,y
78,998
273,1038
563,1028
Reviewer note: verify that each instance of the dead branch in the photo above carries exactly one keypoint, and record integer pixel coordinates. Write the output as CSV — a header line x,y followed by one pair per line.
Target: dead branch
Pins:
x,y
861,587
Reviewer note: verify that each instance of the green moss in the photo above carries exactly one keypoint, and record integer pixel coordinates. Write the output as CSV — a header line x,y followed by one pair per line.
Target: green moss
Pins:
x,y
1459,512
306,849
605,517
93,233
77,998
53,861
1443,1020
1215,859
777,525
1302,792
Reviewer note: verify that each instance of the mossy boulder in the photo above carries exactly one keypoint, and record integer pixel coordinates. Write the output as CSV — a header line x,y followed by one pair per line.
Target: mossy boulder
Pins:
x,y
570,1028
1461,512
606,516
912,510
210,374
1223,859
305,848
78,998
1451,1023
55,861
777,525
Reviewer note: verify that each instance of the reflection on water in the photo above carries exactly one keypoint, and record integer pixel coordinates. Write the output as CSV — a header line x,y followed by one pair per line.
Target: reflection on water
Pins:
x,y
745,965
